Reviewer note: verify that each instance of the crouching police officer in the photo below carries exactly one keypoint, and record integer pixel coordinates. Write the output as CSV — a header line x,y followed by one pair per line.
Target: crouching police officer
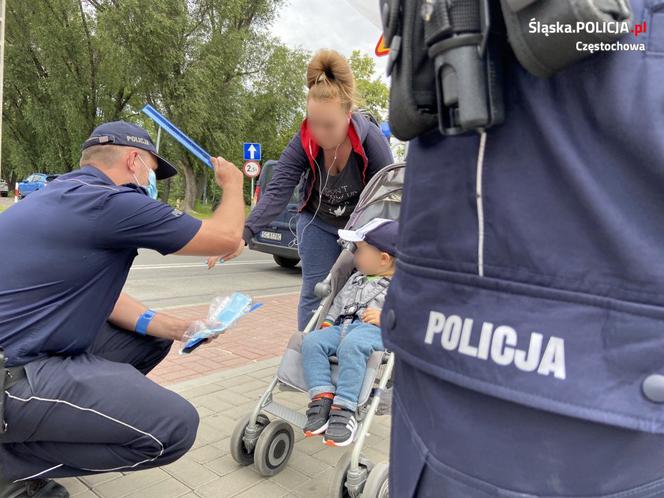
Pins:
x,y
76,400
527,309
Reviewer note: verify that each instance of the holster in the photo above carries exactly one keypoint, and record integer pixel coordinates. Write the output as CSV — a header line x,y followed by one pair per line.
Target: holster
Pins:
x,y
444,70
446,56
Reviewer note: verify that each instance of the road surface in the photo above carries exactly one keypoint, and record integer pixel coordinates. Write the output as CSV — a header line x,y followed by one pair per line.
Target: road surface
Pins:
x,y
165,281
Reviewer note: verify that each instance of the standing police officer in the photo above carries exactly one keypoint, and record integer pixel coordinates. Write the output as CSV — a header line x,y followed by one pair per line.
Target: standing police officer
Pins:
x,y
76,399
527,310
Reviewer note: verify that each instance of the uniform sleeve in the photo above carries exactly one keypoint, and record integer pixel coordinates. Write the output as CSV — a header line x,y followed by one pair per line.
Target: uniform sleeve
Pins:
x,y
131,219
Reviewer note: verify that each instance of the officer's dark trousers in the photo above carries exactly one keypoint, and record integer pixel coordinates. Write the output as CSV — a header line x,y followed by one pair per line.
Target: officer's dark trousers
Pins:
x,y
96,412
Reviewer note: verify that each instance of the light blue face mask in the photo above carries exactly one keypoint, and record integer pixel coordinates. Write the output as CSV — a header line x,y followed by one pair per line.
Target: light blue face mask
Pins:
x,y
151,187
152,184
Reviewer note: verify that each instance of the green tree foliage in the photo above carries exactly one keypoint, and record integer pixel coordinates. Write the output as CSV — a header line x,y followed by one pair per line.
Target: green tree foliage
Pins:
x,y
373,92
209,65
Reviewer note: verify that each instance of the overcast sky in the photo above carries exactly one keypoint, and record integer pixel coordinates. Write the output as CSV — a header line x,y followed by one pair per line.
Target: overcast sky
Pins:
x,y
315,24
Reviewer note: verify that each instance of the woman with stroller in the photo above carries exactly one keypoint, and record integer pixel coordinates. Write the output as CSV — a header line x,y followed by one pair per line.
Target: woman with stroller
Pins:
x,y
335,153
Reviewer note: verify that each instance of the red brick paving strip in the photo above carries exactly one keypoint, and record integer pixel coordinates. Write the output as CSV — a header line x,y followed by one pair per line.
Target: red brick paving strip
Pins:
x,y
258,336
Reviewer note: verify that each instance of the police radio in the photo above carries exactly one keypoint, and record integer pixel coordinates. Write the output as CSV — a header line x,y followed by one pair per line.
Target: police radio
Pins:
x,y
446,55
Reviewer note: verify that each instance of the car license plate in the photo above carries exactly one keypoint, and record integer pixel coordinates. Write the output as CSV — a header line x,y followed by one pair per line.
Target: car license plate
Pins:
x,y
271,235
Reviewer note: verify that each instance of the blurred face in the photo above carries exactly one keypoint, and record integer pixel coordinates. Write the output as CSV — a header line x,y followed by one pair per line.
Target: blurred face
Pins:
x,y
371,261
328,122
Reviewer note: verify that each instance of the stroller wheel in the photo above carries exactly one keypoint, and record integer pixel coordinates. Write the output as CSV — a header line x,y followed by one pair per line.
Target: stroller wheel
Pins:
x,y
340,479
274,448
239,449
377,483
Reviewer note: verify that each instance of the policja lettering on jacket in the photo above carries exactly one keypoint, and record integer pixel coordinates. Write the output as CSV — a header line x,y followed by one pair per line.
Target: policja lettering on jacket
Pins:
x,y
497,344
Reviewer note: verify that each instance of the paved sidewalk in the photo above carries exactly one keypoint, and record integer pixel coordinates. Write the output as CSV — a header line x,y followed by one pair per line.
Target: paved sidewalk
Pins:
x,y
259,336
224,381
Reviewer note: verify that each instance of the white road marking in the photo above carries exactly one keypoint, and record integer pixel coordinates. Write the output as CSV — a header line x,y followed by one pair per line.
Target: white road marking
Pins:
x,y
203,264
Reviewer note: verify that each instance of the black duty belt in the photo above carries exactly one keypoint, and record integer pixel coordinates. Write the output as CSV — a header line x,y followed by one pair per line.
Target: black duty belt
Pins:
x,y
8,377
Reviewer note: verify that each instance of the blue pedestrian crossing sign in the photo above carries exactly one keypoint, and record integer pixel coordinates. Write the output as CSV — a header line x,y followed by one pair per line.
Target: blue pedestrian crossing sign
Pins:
x,y
252,152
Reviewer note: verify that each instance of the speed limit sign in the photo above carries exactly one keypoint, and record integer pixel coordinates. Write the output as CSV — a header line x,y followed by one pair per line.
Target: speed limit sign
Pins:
x,y
252,169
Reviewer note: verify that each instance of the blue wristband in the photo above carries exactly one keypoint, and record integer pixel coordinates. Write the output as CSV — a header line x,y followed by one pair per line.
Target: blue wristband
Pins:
x,y
143,322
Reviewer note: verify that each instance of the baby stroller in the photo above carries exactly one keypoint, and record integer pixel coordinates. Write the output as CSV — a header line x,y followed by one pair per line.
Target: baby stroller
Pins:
x,y
268,444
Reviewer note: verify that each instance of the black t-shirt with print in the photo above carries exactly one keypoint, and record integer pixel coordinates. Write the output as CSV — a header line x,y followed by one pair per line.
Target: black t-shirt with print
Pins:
x,y
340,193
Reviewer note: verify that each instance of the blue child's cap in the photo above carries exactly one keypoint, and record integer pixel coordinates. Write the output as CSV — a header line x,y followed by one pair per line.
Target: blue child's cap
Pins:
x,y
381,233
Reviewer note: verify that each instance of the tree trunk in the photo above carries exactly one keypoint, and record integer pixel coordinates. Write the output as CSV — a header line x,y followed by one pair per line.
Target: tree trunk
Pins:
x,y
11,182
165,192
201,186
190,187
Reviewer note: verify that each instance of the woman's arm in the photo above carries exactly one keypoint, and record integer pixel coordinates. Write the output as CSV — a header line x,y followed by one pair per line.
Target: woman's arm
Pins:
x,y
287,173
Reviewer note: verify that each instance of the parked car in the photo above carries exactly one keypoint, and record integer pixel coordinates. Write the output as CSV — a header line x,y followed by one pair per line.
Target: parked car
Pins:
x,y
279,238
4,188
50,178
32,183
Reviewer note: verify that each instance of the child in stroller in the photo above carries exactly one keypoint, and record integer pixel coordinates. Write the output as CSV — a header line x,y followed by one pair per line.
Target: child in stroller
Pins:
x,y
351,332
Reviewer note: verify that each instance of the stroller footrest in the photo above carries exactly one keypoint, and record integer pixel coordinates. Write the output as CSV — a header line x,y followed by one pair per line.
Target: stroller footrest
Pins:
x,y
283,412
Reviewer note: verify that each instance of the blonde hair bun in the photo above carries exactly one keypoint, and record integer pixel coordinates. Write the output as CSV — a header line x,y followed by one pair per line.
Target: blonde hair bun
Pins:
x,y
329,77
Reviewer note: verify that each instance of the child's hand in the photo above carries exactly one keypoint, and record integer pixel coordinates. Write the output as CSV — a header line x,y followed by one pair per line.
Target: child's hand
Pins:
x,y
372,316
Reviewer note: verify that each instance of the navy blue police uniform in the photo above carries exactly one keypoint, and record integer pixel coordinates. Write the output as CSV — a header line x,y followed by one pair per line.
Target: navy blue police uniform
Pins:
x,y
527,310
85,405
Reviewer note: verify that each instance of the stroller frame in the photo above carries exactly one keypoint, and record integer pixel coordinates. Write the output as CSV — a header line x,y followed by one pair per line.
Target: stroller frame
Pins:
x,y
269,444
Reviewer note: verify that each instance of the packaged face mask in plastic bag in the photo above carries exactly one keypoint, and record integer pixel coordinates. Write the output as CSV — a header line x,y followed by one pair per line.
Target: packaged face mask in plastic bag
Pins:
x,y
224,312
